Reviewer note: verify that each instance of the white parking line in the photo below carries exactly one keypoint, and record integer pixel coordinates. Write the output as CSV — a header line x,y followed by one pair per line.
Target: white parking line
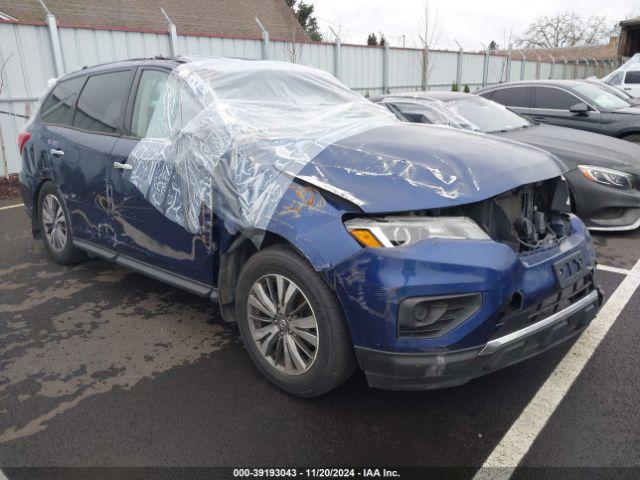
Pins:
x,y
2,476
621,271
7,208
515,444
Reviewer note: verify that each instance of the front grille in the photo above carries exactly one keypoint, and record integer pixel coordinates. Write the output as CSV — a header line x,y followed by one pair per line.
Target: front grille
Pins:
x,y
510,319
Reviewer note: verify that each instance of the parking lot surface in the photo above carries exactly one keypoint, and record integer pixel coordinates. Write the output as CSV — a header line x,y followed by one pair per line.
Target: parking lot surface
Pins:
x,y
103,367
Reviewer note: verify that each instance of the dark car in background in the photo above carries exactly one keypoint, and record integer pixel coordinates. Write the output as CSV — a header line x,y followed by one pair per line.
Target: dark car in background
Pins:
x,y
604,175
570,103
334,234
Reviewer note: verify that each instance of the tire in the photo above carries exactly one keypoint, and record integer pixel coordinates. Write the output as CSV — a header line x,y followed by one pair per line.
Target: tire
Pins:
x,y
331,361
56,232
634,137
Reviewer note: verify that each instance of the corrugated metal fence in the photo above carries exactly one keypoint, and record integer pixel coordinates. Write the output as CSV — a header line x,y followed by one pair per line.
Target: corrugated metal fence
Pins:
x,y
27,51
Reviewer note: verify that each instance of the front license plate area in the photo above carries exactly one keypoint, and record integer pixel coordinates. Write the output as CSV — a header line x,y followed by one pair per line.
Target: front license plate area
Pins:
x,y
570,269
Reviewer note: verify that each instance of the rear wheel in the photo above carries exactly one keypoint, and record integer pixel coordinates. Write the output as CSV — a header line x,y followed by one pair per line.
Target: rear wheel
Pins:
x,y
292,324
55,226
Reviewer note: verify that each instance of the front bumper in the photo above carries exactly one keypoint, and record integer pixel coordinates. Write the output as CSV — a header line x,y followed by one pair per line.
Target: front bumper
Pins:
x,y
420,371
604,208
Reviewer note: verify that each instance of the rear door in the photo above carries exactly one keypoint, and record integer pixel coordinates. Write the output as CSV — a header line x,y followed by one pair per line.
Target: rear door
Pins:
x,y
143,232
551,105
631,83
517,98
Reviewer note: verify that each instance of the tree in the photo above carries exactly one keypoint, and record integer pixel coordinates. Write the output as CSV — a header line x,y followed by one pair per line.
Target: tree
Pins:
x,y
372,40
565,29
383,41
304,13
467,89
454,87
493,45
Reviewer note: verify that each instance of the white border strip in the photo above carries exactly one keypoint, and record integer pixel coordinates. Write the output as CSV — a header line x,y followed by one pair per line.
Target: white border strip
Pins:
x,y
607,268
7,208
515,444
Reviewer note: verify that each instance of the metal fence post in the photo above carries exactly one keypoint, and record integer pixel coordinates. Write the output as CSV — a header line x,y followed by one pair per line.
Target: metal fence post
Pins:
x,y
459,64
564,66
507,74
538,65
553,66
485,68
265,40
337,55
54,35
173,35
385,69
523,65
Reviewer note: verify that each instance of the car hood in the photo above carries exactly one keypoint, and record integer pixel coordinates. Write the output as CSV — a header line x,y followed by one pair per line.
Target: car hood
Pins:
x,y
576,147
404,167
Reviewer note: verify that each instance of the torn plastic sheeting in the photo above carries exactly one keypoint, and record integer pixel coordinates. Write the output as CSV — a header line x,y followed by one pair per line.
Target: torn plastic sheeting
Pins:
x,y
231,135
632,64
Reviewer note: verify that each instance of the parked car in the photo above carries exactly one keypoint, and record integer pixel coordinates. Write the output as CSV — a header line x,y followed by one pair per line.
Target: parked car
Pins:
x,y
570,103
604,176
627,80
334,234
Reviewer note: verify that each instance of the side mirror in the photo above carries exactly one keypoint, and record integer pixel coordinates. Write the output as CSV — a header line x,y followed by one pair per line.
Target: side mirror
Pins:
x,y
580,109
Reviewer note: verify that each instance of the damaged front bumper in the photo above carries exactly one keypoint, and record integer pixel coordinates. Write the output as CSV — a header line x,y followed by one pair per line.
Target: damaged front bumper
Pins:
x,y
526,307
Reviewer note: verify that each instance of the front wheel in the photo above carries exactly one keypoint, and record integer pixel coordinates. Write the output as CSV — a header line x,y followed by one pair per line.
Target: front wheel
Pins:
x,y
634,137
292,324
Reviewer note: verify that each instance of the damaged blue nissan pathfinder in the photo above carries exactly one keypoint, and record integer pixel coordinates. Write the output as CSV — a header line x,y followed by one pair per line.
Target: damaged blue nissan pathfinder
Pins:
x,y
335,235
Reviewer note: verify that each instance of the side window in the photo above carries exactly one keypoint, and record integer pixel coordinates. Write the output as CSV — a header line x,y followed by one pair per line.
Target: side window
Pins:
x,y
150,88
512,96
58,107
632,77
553,98
101,102
616,79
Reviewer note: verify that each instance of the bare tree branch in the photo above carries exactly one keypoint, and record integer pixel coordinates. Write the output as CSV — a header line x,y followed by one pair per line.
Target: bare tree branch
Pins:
x,y
566,29
2,68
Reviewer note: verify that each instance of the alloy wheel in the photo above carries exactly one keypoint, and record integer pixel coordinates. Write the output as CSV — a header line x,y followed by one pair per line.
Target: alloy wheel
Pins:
x,y
282,324
54,222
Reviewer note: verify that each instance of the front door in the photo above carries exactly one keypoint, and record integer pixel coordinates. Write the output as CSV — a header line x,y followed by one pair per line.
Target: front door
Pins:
x,y
142,231
551,105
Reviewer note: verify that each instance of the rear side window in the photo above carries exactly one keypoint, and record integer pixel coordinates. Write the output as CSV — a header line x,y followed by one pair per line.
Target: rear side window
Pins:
x,y
632,77
101,102
615,79
553,98
512,96
58,107
151,85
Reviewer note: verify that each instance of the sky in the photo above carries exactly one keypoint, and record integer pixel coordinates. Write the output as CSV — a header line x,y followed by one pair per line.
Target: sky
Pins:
x,y
470,22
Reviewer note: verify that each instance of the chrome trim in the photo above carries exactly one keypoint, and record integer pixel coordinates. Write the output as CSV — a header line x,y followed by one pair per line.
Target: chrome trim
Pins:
x,y
557,317
622,228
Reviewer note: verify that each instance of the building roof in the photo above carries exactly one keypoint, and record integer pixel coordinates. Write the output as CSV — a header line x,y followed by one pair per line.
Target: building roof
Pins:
x,y
571,54
226,18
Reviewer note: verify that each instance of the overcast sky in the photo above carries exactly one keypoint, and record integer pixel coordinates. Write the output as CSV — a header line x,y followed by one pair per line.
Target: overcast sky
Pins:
x,y
471,22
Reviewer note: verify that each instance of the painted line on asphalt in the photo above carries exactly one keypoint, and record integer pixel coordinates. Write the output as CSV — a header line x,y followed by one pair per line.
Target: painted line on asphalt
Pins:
x,y
2,476
509,452
621,271
7,208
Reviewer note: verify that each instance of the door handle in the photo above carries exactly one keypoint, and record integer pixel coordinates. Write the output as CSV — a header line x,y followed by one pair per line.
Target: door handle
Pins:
x,y
56,153
122,166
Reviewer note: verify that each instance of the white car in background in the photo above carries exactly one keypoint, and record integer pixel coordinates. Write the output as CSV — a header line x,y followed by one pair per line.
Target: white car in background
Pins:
x,y
627,80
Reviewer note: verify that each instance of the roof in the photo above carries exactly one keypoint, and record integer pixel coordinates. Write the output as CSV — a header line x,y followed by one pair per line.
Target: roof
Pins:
x,y
226,18
443,96
558,83
571,54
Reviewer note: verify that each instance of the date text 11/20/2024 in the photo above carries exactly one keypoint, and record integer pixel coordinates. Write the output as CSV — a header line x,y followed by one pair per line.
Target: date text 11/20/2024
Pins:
x,y
315,473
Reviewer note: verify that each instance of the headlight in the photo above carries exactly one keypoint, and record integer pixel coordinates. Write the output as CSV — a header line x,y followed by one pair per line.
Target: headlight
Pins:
x,y
403,231
607,176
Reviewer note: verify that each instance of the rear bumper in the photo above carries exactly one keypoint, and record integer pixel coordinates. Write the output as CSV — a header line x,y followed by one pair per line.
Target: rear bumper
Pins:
x,y
423,371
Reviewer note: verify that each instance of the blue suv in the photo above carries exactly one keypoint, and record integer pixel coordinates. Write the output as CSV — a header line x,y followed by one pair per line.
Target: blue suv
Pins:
x,y
333,234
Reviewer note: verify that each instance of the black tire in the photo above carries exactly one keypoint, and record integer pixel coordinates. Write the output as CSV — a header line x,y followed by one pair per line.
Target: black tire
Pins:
x,y
634,137
67,255
335,361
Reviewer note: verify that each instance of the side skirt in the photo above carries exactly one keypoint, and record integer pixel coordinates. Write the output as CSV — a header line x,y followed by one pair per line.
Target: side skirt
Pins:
x,y
178,281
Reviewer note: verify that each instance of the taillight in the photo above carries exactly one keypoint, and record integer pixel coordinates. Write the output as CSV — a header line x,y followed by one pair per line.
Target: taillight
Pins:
x,y
23,137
